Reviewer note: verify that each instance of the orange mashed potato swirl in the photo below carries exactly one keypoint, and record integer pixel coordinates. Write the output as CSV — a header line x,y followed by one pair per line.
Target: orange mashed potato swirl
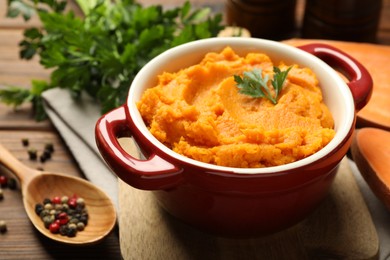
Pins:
x,y
199,113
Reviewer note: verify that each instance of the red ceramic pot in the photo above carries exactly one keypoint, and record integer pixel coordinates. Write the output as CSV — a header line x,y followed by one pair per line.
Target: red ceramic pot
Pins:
x,y
235,201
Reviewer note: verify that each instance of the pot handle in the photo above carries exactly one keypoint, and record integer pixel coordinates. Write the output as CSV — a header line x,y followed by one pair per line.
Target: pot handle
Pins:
x,y
154,173
360,81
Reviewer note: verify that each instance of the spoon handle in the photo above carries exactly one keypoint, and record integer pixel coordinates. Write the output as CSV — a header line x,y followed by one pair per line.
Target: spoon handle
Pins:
x,y
9,161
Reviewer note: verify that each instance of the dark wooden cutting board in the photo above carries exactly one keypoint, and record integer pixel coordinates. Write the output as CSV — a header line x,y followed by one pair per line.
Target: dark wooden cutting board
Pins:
x,y
341,228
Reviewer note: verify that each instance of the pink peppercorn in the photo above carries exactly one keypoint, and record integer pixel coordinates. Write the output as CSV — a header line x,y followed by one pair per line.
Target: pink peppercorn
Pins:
x,y
54,227
3,181
72,202
63,218
56,200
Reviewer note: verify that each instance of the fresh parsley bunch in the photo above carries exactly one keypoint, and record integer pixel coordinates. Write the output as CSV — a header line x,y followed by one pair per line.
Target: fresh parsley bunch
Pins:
x,y
101,52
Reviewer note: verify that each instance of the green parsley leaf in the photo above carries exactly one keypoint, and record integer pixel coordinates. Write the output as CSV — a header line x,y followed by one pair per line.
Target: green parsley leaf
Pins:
x,y
279,78
255,85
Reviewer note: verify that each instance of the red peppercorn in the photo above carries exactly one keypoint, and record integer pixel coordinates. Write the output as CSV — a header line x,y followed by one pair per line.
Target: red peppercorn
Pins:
x,y
72,202
63,221
63,218
3,181
56,200
62,215
54,227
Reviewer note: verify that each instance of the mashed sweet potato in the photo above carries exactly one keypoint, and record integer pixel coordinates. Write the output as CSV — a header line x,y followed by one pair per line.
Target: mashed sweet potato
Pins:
x,y
198,112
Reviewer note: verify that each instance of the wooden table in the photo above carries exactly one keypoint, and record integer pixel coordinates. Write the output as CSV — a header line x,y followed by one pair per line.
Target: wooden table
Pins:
x,y
22,241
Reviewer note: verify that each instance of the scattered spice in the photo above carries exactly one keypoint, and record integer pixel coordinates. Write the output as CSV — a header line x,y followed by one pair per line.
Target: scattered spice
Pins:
x,y
49,147
25,142
45,155
33,154
3,181
7,182
12,183
64,215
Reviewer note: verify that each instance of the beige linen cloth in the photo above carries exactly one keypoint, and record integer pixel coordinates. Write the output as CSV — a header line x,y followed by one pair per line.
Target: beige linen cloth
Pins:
x,y
75,121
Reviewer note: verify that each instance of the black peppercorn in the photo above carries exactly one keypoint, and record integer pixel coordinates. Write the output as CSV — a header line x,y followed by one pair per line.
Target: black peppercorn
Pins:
x,y
46,201
84,219
38,208
25,142
42,158
11,183
63,230
49,147
32,153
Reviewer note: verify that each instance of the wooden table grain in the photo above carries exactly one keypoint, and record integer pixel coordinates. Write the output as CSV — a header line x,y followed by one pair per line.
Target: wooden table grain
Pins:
x,y
22,241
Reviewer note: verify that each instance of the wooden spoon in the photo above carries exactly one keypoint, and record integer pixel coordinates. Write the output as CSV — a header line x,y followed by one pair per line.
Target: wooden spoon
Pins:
x,y
370,150
37,185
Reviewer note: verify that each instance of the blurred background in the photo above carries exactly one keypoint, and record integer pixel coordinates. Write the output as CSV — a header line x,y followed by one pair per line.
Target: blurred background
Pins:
x,y
347,20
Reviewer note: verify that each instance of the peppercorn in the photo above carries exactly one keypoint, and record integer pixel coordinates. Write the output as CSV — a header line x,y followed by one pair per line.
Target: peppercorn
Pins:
x,y
48,206
56,200
46,201
70,211
74,220
11,183
80,202
54,227
25,142
44,213
33,154
48,220
80,226
72,202
65,207
63,230
38,208
3,181
84,219
72,230
63,218
47,154
64,199
42,158
3,226
49,147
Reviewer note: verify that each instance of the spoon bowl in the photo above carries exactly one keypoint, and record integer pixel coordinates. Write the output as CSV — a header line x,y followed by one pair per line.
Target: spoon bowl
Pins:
x,y
37,185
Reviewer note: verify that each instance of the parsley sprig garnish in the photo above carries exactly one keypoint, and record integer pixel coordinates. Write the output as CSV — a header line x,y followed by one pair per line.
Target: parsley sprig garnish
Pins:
x,y
255,85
